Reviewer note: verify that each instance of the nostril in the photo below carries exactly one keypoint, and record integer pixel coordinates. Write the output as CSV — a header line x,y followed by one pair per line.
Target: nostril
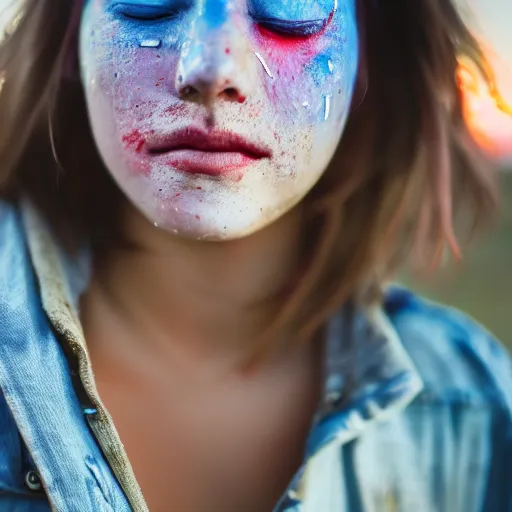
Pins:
x,y
234,94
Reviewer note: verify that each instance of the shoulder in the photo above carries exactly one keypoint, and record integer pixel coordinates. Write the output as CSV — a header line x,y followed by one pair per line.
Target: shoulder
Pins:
x,y
10,224
8,211
12,245
458,360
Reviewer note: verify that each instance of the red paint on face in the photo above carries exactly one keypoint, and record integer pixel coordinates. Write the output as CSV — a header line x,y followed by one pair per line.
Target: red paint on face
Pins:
x,y
288,58
282,42
175,112
133,140
289,43
228,51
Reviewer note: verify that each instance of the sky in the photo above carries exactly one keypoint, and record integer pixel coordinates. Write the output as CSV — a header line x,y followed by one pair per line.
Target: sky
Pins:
x,y
491,21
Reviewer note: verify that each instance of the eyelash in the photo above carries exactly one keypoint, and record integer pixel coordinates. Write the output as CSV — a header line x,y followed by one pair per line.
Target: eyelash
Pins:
x,y
292,28
143,14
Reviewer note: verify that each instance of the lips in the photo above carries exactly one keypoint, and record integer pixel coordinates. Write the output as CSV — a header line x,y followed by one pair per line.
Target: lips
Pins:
x,y
213,153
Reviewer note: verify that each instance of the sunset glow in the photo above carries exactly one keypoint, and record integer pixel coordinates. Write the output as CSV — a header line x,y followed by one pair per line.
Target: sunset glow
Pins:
x,y
488,110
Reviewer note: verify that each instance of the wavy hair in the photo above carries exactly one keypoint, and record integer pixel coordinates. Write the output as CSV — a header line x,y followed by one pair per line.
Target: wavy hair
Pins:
x,y
405,173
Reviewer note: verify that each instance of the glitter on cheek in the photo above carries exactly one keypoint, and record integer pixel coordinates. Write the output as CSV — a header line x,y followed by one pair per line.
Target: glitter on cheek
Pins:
x,y
264,64
291,61
292,90
327,106
151,43
309,71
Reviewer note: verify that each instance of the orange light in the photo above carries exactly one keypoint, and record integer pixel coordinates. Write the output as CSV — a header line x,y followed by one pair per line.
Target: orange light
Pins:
x,y
486,111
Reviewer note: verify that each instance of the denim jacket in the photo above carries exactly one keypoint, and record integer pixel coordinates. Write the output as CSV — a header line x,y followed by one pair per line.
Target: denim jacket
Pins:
x,y
423,424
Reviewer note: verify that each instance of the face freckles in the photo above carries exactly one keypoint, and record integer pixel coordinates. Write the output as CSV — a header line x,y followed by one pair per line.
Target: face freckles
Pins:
x,y
215,117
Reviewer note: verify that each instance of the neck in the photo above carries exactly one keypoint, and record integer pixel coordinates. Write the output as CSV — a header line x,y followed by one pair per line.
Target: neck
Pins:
x,y
201,297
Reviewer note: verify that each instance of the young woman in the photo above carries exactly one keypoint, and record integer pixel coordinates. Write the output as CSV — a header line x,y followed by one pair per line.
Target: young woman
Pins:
x,y
203,201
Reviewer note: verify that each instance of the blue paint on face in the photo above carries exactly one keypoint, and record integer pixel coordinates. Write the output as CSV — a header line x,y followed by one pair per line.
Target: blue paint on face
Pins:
x,y
321,67
215,13
280,73
294,17
291,17
149,10
292,10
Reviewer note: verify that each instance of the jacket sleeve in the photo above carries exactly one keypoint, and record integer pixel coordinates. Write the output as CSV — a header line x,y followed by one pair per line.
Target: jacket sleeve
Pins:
x,y
462,421
498,495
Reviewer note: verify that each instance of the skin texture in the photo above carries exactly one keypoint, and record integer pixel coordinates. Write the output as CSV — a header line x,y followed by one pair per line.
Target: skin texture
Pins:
x,y
171,324
278,73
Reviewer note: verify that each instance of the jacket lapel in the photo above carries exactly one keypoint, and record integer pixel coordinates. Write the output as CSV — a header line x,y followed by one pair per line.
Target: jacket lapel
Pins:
x,y
36,381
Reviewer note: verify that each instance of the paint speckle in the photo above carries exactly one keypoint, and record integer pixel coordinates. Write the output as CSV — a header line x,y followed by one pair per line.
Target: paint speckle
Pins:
x,y
133,140
264,64
151,43
327,106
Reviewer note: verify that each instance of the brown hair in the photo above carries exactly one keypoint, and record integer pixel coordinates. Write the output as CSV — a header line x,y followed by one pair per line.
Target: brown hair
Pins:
x,y
405,171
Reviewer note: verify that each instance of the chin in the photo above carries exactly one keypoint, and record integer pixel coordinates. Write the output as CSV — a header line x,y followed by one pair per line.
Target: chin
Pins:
x,y
206,226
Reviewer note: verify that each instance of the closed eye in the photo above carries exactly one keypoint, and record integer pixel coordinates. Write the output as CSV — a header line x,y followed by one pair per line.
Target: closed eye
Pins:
x,y
302,28
146,12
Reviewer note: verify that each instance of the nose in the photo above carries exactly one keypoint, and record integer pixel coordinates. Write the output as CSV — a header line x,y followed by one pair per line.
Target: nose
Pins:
x,y
215,62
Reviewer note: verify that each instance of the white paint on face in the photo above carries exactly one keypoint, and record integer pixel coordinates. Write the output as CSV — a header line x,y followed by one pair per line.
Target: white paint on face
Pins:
x,y
212,120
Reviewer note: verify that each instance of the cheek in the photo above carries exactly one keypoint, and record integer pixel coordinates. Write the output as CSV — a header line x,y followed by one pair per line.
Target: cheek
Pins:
x,y
135,84
134,78
306,74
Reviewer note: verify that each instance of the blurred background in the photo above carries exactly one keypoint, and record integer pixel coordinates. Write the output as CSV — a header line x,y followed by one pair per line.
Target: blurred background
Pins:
x,y
482,284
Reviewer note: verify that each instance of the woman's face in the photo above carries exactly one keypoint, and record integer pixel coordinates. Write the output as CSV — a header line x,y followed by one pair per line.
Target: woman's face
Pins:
x,y
216,117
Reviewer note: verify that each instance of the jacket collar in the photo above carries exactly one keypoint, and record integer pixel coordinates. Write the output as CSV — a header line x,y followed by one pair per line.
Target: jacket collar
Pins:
x,y
36,382
368,374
